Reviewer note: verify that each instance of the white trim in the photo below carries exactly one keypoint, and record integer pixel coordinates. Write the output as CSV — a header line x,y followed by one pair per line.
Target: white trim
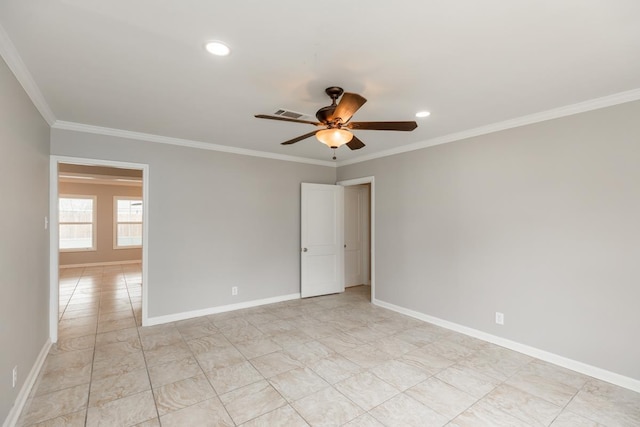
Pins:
x,y
140,136
158,320
100,264
372,225
145,244
53,235
10,54
23,395
583,368
568,110
54,254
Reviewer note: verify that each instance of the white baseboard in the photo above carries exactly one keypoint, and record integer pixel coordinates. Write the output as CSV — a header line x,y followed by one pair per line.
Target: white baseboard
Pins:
x,y
158,320
23,395
100,264
574,365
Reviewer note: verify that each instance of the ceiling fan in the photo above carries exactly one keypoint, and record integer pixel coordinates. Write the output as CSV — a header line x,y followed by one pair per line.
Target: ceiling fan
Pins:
x,y
335,121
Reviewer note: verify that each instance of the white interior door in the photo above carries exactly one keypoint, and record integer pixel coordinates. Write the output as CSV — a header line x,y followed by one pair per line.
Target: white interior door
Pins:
x,y
322,240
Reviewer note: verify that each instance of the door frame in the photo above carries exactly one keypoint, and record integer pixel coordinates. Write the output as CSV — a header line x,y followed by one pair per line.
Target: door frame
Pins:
x,y
54,266
372,239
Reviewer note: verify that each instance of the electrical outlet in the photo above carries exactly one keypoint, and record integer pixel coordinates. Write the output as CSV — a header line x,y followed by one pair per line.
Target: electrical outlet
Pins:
x,y
234,290
499,318
15,376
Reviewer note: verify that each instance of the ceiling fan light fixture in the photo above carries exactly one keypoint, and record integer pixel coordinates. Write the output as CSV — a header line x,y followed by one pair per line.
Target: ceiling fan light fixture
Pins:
x,y
334,138
423,114
217,48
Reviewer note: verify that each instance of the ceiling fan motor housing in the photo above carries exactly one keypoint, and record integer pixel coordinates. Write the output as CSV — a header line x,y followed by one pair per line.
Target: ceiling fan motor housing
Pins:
x,y
324,113
334,93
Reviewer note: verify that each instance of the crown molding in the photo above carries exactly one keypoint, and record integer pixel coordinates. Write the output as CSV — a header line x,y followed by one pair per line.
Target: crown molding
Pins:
x,y
140,136
19,69
568,110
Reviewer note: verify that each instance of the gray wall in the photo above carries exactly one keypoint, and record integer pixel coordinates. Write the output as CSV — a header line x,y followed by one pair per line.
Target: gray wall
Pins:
x,y
104,229
24,262
540,222
216,220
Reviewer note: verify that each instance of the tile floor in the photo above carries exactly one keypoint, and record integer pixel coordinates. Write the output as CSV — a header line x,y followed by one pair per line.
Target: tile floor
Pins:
x,y
333,360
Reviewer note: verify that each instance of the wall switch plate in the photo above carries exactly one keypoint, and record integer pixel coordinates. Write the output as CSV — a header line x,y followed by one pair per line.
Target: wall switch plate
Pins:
x,y
234,290
46,223
499,318
15,376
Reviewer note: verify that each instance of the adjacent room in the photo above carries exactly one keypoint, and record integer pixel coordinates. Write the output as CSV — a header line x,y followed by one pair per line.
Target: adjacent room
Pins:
x,y
274,213
100,225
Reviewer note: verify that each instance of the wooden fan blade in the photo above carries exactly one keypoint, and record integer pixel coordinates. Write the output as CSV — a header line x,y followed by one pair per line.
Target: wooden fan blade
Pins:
x,y
285,119
355,143
349,104
300,138
401,126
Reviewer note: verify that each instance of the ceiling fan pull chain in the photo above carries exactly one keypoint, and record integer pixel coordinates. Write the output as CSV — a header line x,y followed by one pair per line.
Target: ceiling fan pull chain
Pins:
x,y
334,154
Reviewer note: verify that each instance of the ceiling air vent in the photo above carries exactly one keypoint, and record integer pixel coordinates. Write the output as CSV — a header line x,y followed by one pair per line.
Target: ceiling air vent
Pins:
x,y
293,115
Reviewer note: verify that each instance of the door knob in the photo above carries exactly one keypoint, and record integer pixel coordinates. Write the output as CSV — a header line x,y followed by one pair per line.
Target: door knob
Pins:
x,y
304,249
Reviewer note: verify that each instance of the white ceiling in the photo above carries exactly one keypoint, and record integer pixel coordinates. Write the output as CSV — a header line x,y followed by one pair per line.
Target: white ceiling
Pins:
x,y
140,65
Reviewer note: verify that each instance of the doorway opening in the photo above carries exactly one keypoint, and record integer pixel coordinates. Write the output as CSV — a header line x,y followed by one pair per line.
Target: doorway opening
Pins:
x,y
359,235
98,247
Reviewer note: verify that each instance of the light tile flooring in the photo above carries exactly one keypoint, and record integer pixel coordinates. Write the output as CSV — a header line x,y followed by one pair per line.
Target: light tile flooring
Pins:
x,y
333,360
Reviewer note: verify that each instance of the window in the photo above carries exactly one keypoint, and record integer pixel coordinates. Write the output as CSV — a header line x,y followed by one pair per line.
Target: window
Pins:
x,y
77,219
127,229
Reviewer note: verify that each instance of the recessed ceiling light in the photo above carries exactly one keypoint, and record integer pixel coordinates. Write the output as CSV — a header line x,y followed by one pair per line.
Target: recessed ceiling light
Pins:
x,y
217,48
423,114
